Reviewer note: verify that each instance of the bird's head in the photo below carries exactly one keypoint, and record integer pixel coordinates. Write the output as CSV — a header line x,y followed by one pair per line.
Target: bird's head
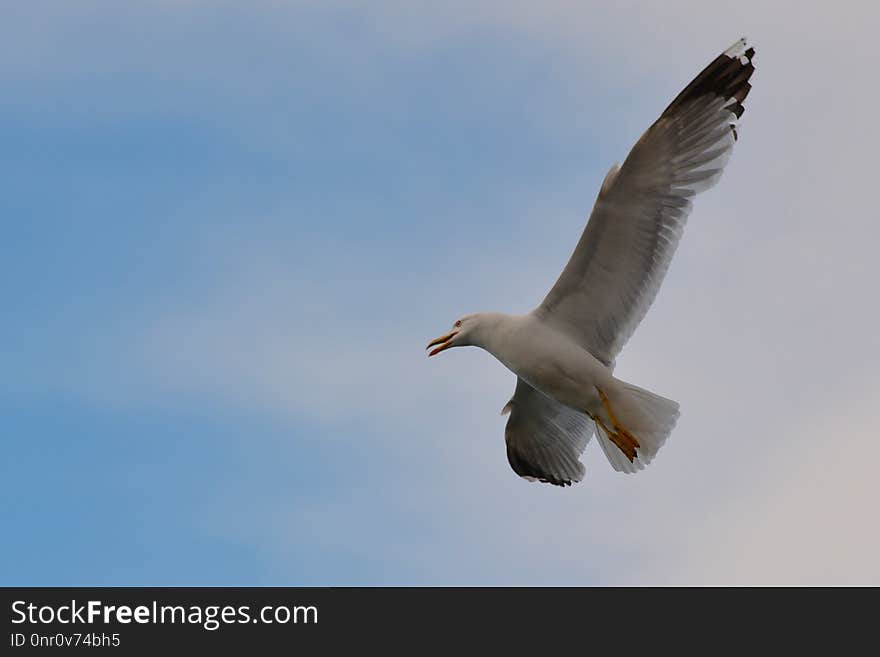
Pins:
x,y
461,335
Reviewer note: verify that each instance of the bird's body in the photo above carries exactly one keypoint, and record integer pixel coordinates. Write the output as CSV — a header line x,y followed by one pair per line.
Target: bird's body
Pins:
x,y
563,352
560,370
547,360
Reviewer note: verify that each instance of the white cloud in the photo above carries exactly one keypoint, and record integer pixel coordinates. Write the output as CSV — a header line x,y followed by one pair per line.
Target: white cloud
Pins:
x,y
807,513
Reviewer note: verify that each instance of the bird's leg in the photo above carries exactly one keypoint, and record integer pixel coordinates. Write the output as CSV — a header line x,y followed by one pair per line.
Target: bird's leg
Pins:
x,y
624,446
625,441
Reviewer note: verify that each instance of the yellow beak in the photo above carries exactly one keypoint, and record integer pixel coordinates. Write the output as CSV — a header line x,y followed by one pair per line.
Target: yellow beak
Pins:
x,y
445,341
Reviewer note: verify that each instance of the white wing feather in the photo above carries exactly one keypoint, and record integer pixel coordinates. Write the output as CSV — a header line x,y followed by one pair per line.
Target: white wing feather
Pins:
x,y
545,438
621,259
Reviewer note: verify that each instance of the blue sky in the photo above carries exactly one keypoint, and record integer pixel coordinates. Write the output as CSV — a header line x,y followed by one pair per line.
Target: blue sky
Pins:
x,y
229,231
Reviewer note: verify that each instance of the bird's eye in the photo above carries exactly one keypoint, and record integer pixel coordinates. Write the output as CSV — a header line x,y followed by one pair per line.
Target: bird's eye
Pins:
x,y
458,324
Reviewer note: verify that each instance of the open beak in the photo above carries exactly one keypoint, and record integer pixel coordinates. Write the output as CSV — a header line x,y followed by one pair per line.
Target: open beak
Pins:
x,y
444,342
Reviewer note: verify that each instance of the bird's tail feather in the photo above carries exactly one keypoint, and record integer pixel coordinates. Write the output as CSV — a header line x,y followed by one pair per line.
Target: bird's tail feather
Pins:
x,y
648,417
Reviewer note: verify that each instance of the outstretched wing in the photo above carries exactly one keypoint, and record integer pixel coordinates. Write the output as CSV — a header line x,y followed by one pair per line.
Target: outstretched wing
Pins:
x,y
545,438
623,254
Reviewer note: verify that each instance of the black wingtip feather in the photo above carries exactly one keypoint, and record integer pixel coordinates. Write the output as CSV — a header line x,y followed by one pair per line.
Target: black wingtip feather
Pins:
x,y
727,76
525,469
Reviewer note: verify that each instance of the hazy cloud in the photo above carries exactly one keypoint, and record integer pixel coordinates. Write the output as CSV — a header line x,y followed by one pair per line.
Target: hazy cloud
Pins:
x,y
764,330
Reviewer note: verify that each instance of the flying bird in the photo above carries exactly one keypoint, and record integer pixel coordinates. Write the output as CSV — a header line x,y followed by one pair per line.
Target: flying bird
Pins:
x,y
563,351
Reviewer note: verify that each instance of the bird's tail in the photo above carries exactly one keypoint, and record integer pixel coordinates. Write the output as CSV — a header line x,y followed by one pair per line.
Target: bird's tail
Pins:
x,y
634,419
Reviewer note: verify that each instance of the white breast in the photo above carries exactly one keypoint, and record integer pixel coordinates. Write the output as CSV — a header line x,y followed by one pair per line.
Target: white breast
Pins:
x,y
550,362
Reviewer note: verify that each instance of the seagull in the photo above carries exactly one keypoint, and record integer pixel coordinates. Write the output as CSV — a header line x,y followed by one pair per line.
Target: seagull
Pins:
x,y
563,351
